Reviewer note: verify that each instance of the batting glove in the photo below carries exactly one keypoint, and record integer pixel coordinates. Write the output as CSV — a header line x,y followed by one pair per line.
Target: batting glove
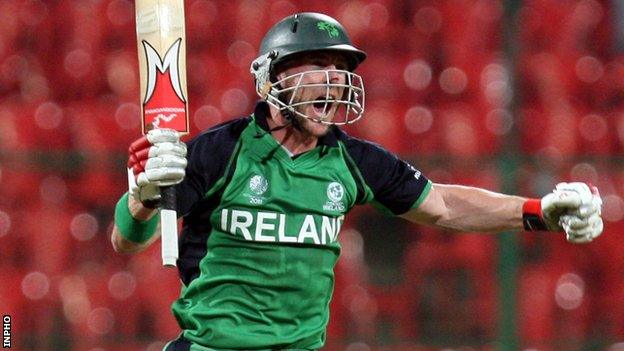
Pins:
x,y
584,224
574,208
155,160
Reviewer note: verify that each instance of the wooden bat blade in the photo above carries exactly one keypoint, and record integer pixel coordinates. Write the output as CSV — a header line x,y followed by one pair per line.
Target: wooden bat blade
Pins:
x,y
162,63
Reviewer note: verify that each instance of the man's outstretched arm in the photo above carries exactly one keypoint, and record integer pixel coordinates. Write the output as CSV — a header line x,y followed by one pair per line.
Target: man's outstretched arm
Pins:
x,y
571,207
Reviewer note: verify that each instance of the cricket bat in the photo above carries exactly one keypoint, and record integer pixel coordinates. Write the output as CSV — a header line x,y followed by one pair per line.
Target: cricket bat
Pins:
x,y
162,70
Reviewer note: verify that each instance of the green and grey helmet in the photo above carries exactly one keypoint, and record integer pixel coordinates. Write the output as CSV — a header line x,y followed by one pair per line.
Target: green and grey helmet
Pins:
x,y
301,34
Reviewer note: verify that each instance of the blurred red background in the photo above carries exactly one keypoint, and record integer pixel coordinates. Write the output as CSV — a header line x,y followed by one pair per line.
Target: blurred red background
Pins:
x,y
457,87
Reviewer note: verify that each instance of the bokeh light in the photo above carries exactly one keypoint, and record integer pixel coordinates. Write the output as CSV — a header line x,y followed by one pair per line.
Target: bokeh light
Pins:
x,y
234,102
35,285
593,127
101,320
240,53
207,116
589,69
418,119
128,116
122,285
453,80
120,12
48,115
417,75
73,293
584,172
78,63
428,20
570,291
612,208
53,189
84,226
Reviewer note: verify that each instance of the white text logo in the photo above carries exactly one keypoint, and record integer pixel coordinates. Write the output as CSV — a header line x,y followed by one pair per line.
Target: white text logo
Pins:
x,y
273,227
335,193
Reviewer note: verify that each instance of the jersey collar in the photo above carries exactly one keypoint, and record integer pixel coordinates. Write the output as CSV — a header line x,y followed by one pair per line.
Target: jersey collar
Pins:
x,y
261,113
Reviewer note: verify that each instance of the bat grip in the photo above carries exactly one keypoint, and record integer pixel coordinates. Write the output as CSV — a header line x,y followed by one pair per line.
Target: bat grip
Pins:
x,y
169,226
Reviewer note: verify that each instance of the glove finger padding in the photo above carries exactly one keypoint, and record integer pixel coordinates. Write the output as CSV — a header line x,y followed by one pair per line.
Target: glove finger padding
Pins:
x,y
164,176
582,231
567,198
165,161
155,160
162,135
138,157
556,204
178,149
573,222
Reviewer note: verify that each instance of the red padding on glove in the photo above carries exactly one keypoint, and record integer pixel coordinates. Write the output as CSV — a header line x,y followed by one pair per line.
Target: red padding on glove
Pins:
x,y
139,144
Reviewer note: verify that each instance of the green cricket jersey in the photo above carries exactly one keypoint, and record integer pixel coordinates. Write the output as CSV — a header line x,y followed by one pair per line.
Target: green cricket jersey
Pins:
x,y
260,234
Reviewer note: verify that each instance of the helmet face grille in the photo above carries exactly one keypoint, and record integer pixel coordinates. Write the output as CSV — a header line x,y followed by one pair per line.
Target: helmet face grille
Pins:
x,y
317,95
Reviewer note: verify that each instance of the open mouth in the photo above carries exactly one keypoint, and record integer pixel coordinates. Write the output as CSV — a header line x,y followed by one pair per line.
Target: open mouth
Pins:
x,y
323,105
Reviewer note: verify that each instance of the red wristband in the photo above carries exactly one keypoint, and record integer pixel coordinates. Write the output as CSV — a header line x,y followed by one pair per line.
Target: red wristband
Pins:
x,y
532,215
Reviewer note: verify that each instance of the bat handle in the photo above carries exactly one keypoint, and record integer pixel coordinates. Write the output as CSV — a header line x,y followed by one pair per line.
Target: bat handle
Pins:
x,y
169,226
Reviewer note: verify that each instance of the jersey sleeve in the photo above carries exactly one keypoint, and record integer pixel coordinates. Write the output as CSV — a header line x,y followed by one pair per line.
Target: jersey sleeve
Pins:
x,y
208,155
392,184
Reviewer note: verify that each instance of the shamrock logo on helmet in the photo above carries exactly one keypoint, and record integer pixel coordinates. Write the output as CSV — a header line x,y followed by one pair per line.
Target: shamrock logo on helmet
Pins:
x,y
330,28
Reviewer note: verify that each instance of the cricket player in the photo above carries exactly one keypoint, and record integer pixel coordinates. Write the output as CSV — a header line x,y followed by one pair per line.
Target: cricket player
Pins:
x,y
263,198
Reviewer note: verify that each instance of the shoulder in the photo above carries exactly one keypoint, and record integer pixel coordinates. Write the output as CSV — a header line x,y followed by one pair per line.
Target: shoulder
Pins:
x,y
395,184
227,132
215,145
365,153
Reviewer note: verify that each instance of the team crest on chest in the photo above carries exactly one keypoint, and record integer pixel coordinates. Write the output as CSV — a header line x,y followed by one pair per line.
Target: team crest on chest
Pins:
x,y
335,193
258,185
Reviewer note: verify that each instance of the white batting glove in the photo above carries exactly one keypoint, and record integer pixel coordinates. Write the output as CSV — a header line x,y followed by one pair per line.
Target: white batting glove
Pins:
x,y
575,209
583,224
157,159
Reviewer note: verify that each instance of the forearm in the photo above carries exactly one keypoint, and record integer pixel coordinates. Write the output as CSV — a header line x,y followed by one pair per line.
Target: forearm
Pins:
x,y
141,213
469,209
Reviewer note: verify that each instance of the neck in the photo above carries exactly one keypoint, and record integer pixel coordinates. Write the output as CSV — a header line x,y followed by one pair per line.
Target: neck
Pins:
x,y
292,139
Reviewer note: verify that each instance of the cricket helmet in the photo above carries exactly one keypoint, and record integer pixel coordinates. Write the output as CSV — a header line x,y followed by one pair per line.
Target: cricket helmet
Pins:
x,y
302,34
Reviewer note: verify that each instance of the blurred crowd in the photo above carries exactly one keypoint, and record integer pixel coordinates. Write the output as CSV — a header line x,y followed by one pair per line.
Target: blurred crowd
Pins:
x,y
480,92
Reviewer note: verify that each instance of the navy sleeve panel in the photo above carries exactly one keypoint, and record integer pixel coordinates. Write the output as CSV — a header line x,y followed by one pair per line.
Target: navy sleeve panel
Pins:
x,y
208,156
395,184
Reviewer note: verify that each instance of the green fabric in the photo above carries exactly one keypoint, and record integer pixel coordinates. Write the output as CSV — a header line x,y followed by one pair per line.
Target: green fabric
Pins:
x,y
131,228
423,195
268,273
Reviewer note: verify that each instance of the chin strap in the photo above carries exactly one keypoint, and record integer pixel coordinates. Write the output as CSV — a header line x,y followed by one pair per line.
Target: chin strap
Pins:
x,y
290,120
290,117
